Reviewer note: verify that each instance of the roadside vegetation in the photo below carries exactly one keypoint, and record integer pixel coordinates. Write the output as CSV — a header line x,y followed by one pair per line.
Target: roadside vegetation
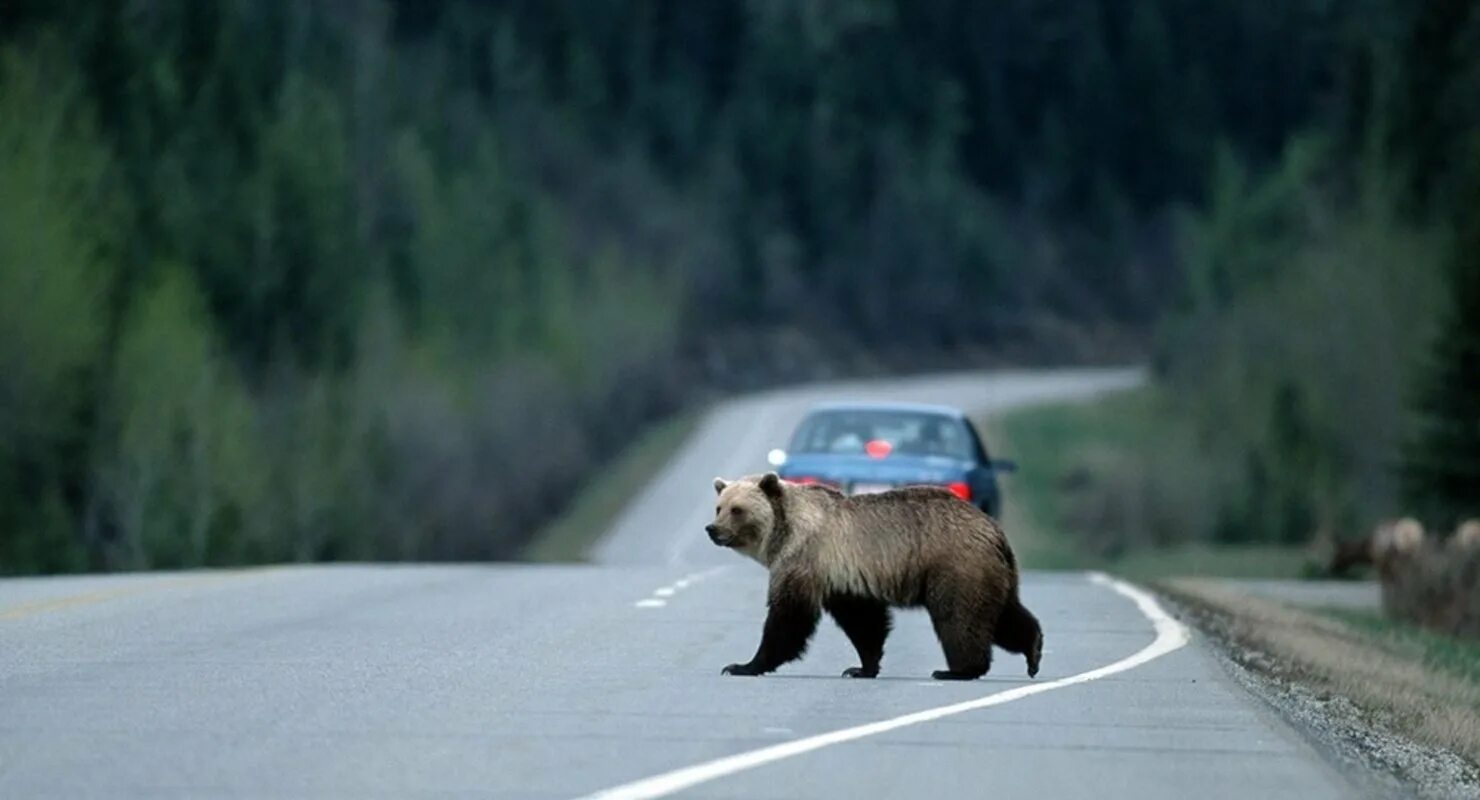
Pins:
x,y
1456,656
595,505
1279,412
1081,498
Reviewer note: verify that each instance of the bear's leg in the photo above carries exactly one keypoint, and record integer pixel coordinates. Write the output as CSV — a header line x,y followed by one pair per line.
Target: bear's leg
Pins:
x,y
790,622
866,622
965,633
1018,632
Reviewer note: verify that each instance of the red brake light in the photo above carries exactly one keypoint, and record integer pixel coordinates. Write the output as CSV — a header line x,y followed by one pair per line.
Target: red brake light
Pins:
x,y
960,489
878,448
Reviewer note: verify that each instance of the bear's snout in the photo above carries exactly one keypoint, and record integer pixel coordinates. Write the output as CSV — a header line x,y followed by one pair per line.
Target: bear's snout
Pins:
x,y
714,534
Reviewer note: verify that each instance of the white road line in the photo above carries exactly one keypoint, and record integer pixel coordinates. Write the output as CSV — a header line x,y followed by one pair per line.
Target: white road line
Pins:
x,y
1171,635
659,594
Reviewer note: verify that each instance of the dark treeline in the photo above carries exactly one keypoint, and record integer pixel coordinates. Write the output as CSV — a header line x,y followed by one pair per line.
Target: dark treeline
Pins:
x,y
312,280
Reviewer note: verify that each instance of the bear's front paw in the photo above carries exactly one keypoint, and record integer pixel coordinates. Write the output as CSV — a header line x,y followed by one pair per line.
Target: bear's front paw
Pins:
x,y
740,669
860,672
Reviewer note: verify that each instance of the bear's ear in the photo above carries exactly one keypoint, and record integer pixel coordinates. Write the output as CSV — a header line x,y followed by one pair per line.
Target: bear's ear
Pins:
x,y
771,484
719,485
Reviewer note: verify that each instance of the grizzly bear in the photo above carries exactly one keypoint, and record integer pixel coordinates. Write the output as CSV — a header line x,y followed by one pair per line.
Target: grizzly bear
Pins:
x,y
858,556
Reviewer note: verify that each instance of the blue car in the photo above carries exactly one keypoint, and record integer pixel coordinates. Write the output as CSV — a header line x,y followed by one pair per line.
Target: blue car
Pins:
x,y
860,448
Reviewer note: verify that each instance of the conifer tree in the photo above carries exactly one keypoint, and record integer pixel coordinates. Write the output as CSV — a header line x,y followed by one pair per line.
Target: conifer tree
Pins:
x,y
1441,468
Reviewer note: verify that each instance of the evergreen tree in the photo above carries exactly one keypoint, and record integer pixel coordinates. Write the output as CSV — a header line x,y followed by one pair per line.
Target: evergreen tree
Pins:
x,y
1441,467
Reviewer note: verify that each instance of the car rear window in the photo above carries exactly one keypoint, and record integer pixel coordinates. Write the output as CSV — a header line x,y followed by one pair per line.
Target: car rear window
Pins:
x,y
908,432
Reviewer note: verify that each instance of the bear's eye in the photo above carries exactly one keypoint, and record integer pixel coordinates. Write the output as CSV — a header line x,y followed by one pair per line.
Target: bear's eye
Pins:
x,y
735,511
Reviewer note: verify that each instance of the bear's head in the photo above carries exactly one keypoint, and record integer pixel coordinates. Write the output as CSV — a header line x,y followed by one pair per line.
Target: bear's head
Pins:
x,y
745,514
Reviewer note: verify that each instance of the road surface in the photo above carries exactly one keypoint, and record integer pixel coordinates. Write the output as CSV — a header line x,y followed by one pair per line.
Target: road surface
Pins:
x,y
514,681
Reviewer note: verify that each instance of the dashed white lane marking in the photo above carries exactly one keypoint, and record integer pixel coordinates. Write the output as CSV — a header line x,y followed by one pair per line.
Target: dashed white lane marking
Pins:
x,y
662,593
1171,635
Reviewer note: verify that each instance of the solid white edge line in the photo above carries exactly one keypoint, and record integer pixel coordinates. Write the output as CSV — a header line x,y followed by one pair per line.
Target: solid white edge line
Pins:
x,y
1171,635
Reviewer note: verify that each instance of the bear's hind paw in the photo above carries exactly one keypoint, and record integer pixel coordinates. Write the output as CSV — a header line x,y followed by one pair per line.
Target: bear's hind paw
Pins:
x,y
1035,656
860,672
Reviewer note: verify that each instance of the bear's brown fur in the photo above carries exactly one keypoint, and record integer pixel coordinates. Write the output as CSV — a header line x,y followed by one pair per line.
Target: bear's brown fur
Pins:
x,y
856,557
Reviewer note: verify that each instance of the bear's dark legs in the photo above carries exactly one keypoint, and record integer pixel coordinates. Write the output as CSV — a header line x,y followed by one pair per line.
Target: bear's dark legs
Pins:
x,y
866,622
789,625
965,634
1018,632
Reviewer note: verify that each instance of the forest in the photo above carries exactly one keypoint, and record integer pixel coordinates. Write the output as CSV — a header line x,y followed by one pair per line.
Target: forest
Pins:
x,y
373,279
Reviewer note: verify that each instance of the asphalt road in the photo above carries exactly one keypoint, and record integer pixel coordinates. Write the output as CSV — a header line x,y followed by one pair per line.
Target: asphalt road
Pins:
x,y
560,681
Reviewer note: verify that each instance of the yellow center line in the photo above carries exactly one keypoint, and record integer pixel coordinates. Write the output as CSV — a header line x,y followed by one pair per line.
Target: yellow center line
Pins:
x,y
104,595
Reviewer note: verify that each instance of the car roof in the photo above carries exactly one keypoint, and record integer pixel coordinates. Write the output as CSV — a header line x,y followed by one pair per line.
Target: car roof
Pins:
x,y
923,408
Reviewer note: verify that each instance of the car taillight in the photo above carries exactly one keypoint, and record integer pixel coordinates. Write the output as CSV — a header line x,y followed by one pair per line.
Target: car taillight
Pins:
x,y
960,489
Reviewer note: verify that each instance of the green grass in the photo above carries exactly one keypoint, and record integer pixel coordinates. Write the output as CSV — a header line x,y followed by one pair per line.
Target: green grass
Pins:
x,y
1456,656
1050,442
598,503
1047,442
1213,561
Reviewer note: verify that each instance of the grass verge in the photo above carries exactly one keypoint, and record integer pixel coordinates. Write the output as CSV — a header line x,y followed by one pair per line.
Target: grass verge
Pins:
x,y
1418,685
1046,442
570,536
1449,654
1052,445
1212,561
